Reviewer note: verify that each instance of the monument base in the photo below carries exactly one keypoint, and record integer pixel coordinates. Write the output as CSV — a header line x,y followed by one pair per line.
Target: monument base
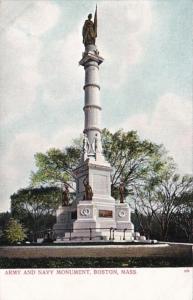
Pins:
x,y
99,219
65,216
96,221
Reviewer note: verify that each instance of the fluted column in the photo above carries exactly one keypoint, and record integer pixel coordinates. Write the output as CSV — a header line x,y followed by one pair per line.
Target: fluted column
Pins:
x,y
92,106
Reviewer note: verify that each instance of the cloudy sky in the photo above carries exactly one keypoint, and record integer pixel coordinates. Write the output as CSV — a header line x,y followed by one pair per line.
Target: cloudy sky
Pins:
x,y
146,77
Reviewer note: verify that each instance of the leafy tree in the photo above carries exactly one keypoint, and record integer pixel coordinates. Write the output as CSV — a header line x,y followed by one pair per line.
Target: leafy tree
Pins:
x,y
133,161
35,207
4,218
183,218
145,168
160,200
56,167
14,232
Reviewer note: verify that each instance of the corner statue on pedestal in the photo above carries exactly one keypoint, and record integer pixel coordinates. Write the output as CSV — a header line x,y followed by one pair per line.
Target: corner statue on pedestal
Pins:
x,y
89,31
88,190
65,196
122,191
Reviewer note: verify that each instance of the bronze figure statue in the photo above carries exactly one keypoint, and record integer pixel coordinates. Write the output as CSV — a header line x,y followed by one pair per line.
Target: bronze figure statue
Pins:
x,y
88,190
65,196
89,31
121,192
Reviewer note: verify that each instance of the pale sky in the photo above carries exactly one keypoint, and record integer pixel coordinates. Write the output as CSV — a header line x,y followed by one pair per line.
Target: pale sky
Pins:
x,y
146,78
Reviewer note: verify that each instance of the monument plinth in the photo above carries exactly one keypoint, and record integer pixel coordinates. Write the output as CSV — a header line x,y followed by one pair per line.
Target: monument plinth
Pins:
x,y
96,210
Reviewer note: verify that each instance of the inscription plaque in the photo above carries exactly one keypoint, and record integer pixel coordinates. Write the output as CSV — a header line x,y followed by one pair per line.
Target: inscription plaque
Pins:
x,y
105,213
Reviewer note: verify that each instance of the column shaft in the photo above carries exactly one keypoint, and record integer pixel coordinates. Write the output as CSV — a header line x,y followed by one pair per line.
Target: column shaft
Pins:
x,y
92,108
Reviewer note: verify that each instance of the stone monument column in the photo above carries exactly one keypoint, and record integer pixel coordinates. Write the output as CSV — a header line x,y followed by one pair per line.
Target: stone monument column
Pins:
x,y
94,172
95,209
92,107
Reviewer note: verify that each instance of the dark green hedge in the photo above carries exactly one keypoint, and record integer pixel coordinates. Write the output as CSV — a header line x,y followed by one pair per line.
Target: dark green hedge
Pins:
x,y
90,262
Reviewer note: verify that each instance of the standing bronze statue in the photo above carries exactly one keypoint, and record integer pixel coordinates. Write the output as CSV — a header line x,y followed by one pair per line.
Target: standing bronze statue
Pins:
x,y
89,31
65,196
121,192
88,190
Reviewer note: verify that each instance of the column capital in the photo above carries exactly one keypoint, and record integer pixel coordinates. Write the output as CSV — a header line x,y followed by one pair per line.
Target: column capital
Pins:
x,y
90,56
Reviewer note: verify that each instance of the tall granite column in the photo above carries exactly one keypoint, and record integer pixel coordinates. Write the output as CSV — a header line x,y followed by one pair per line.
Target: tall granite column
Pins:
x,y
93,165
95,209
92,107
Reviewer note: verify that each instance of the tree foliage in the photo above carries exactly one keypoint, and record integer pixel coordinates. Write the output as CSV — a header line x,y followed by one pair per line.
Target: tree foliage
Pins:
x,y
153,188
161,200
183,218
133,161
14,232
33,206
55,167
4,219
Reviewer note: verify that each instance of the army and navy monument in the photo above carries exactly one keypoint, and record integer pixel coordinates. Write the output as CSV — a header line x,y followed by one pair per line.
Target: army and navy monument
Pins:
x,y
94,230
94,214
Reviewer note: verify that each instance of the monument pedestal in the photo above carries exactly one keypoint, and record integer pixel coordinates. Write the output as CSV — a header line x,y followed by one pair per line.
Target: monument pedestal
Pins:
x,y
100,218
65,216
123,217
94,217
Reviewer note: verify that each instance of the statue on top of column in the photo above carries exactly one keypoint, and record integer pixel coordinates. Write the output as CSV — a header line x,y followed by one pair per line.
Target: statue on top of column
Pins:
x,y
89,31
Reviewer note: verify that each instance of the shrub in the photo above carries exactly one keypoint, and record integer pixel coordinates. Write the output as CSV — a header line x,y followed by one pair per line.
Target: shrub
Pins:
x,y
14,232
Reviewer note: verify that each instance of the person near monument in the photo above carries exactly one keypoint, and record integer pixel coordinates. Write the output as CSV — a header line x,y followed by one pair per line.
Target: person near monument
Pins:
x,y
89,31
121,191
88,190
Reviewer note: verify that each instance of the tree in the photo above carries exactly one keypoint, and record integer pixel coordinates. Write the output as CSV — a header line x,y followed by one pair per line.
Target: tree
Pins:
x,y
183,218
4,218
160,200
133,161
145,168
14,232
56,167
35,207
